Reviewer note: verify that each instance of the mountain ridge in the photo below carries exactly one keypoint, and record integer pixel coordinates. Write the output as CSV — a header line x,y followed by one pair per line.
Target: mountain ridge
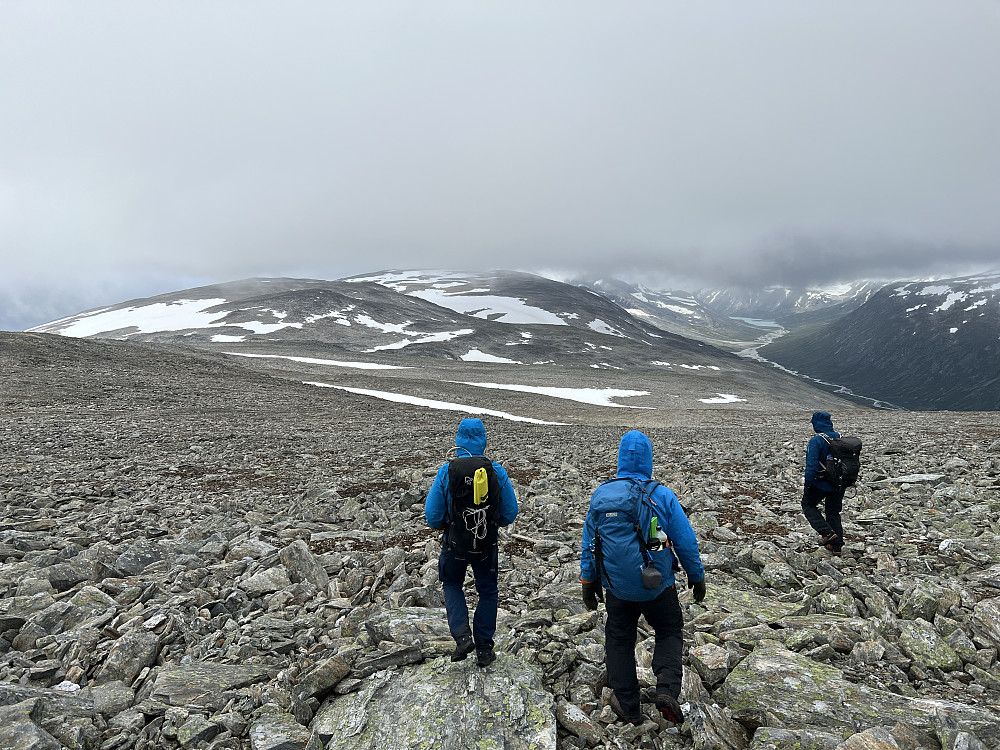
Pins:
x,y
921,345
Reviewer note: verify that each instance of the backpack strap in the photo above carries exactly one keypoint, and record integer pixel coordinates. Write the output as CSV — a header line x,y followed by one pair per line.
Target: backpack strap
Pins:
x,y
599,557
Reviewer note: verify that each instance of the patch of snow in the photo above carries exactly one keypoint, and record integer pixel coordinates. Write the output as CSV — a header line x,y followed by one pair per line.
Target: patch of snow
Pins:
x,y
487,306
722,398
637,312
991,288
338,314
257,326
155,318
601,327
331,362
952,330
911,309
935,290
951,299
384,327
428,338
52,326
594,396
474,355
401,398
400,281
222,338
977,303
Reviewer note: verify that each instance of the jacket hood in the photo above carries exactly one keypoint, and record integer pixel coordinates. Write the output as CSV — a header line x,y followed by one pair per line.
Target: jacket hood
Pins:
x,y
822,422
635,456
471,437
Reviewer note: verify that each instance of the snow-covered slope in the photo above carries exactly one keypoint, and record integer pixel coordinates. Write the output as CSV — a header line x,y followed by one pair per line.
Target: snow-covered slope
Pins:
x,y
497,317
512,297
918,344
270,310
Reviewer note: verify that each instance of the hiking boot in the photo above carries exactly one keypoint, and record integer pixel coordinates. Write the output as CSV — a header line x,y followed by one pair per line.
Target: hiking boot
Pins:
x,y
827,539
834,548
668,706
463,647
485,656
635,718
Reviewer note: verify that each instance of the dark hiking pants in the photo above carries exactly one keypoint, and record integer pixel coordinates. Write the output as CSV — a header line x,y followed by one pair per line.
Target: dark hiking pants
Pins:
x,y
833,503
451,572
664,615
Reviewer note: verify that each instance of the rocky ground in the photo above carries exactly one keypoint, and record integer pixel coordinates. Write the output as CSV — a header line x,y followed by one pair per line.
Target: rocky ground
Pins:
x,y
197,554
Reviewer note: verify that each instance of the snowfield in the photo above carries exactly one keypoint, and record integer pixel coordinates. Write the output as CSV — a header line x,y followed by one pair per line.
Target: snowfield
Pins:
x,y
593,396
722,398
401,398
330,362
470,302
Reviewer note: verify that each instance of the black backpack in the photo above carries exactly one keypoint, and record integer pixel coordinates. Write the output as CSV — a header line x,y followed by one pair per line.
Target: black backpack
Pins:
x,y
474,506
843,462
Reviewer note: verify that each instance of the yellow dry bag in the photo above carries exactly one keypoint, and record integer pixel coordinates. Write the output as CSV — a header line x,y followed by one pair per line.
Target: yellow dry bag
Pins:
x,y
480,487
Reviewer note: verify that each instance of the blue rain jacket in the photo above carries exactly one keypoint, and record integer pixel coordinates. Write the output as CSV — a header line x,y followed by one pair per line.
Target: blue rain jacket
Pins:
x,y
635,460
818,450
470,441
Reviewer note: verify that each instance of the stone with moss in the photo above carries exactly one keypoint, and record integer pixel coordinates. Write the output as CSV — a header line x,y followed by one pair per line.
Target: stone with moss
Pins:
x,y
924,645
806,694
446,706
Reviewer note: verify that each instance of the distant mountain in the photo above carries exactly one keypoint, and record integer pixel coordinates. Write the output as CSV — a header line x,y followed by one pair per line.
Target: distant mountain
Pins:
x,y
266,310
446,337
675,311
920,345
518,298
512,317
784,304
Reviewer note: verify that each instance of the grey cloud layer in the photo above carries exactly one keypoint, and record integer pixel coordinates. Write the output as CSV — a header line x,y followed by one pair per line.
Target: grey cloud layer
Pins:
x,y
724,140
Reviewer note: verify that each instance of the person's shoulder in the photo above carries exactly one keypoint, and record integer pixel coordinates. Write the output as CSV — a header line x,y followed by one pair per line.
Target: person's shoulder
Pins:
x,y
663,491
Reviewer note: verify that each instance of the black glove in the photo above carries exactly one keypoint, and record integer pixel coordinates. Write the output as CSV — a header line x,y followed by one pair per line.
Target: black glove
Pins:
x,y
591,593
698,590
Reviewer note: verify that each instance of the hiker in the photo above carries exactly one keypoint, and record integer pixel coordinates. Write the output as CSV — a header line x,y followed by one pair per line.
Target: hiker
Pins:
x,y
470,498
818,491
633,529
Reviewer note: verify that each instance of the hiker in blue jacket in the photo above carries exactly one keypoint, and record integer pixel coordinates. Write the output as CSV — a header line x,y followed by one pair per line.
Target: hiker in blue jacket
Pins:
x,y
817,491
622,574
456,554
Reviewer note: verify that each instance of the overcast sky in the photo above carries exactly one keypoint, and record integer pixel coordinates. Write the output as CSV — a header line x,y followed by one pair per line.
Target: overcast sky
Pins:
x,y
149,146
